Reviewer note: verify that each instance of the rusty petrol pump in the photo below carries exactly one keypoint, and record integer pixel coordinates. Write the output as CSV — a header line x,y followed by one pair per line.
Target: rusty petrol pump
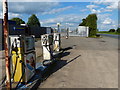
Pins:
x,y
47,47
23,57
51,45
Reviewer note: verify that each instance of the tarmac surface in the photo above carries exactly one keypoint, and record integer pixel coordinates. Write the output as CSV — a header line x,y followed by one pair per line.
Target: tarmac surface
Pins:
x,y
85,63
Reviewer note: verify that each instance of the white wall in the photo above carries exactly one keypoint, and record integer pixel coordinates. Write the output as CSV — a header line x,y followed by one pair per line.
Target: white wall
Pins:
x,y
83,31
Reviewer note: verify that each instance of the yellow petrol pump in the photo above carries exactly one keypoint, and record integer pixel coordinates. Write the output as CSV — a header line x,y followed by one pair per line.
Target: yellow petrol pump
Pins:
x,y
22,49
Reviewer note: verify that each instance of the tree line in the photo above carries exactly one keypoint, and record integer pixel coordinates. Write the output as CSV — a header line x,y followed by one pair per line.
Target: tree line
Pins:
x,y
32,21
113,30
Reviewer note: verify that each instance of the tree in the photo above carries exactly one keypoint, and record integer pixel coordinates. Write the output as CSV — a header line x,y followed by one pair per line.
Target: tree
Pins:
x,y
112,30
91,22
83,22
118,30
33,21
18,20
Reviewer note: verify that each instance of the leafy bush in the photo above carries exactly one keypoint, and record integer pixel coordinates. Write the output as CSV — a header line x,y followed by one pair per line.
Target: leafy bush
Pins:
x,y
83,22
112,30
18,21
92,24
118,30
97,35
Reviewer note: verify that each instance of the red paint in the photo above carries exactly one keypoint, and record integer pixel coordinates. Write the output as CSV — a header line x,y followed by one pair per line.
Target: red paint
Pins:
x,y
27,61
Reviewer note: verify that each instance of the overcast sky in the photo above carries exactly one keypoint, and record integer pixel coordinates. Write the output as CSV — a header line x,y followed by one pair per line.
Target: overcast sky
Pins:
x,y
67,13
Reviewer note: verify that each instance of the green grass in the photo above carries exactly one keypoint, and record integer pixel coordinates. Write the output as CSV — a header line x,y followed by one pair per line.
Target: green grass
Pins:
x,y
95,37
106,32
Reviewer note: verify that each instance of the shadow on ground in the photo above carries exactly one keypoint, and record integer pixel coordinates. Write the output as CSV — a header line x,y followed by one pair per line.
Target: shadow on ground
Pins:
x,y
55,66
68,48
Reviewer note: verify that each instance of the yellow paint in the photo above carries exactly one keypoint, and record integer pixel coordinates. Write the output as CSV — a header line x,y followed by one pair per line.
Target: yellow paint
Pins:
x,y
19,28
19,68
55,46
19,51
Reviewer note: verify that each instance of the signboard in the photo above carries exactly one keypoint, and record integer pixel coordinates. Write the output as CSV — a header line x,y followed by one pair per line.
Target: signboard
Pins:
x,y
19,28
16,30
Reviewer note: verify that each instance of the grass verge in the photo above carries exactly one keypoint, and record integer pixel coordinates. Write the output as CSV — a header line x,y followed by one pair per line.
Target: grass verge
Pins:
x,y
106,32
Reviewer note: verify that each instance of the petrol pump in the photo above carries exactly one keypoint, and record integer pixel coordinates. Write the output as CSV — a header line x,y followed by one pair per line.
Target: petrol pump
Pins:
x,y
47,46
23,57
57,42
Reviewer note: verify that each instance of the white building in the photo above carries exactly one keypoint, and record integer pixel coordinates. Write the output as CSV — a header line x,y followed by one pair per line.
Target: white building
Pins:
x,y
83,31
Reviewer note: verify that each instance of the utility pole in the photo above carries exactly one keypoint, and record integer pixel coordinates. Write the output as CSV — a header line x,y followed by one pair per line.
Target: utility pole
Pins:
x,y
67,31
6,45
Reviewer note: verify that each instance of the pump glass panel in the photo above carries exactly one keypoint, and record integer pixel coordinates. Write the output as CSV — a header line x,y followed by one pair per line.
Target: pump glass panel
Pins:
x,y
29,43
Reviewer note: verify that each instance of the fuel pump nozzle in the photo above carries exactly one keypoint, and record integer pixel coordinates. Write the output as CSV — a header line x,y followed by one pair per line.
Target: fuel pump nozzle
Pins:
x,y
14,46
